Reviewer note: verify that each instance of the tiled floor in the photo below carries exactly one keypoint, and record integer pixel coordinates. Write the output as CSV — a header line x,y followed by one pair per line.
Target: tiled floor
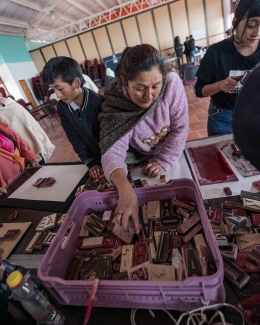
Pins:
x,y
198,108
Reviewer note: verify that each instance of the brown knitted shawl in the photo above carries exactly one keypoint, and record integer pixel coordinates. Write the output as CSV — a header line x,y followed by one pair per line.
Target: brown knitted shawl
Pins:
x,y
118,117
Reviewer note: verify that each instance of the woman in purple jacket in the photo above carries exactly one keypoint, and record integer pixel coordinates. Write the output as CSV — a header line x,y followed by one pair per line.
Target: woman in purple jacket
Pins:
x,y
144,115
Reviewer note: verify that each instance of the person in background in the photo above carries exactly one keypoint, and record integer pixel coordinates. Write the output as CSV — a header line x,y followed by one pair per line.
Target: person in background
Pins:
x,y
226,64
178,49
110,77
144,115
187,49
78,109
192,48
18,119
246,120
15,155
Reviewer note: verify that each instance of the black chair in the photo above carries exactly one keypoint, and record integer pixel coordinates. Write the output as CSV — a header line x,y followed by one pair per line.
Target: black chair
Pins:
x,y
51,112
183,67
189,76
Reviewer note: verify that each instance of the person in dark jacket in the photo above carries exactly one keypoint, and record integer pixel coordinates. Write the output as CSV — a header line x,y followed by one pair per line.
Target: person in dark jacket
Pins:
x,y
178,50
187,49
192,48
78,109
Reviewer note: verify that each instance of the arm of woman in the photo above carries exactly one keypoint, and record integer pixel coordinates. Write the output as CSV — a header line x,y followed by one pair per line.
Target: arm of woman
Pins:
x,y
174,143
115,169
205,86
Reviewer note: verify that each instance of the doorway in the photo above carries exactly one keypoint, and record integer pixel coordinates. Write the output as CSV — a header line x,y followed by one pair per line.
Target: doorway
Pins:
x,y
27,92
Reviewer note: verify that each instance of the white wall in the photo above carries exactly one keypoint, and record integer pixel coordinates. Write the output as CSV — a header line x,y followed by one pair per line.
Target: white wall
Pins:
x,y
11,73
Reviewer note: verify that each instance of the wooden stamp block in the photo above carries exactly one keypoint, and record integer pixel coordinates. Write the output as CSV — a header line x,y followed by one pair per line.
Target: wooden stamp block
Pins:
x,y
73,269
250,309
229,251
177,263
110,242
137,183
226,227
151,252
246,264
191,262
161,272
255,219
157,235
41,225
141,253
171,222
127,258
175,241
104,267
116,252
217,216
234,273
36,183
106,216
240,225
84,232
207,263
39,185
181,201
188,224
251,288
162,178
92,242
38,245
147,230
139,272
30,247
256,185
11,234
162,248
199,241
50,221
227,191
253,205
13,215
95,225
144,183
185,213
191,234
62,218
166,208
49,239
120,276
232,205
239,213
221,240
153,210
130,227
87,268
245,242
120,233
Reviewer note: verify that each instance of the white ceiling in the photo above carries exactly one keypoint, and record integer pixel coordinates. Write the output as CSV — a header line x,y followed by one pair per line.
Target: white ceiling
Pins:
x,y
32,20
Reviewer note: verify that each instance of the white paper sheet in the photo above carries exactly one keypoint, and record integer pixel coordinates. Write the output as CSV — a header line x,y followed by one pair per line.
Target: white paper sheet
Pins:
x,y
179,170
67,177
216,190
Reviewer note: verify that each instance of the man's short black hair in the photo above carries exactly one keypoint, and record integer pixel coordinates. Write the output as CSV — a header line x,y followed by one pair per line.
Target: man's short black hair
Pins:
x,y
63,67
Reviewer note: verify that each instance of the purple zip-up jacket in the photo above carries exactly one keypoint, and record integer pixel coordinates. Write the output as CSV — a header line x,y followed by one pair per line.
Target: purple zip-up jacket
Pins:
x,y
163,132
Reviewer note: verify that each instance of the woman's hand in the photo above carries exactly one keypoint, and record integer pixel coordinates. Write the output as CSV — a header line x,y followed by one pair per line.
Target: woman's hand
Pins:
x,y
128,203
153,169
228,84
95,171
2,191
32,163
127,208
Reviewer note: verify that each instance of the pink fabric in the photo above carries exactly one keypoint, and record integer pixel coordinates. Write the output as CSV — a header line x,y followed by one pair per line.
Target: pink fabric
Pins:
x,y
8,170
6,143
163,132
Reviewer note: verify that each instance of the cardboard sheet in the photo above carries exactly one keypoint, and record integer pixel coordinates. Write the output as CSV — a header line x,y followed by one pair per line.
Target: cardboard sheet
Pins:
x,y
216,190
9,245
66,176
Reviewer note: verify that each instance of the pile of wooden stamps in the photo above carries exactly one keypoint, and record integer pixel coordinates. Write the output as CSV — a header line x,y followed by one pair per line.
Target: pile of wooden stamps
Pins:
x,y
44,182
236,226
171,245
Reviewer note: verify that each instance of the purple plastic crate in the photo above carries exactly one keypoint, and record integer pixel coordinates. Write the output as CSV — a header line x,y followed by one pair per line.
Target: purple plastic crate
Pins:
x,y
178,295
